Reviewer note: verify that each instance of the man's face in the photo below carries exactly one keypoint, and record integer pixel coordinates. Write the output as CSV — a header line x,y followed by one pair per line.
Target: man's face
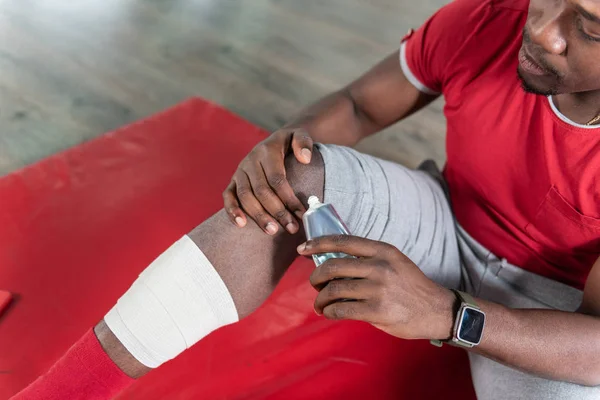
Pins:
x,y
561,47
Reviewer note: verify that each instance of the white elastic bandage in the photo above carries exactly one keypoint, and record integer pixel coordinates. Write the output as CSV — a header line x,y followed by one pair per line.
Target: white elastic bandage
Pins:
x,y
179,299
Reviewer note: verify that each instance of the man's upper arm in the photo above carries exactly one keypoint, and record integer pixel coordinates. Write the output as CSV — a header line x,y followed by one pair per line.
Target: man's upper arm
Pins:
x,y
384,95
591,294
412,77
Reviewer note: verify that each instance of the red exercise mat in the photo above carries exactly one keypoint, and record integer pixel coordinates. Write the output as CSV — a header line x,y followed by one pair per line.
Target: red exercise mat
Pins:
x,y
78,227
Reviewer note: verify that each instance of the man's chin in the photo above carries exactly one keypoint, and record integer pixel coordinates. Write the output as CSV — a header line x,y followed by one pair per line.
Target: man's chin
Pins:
x,y
530,86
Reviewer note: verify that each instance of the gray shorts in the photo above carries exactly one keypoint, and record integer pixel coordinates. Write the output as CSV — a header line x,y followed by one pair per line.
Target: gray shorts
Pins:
x,y
409,209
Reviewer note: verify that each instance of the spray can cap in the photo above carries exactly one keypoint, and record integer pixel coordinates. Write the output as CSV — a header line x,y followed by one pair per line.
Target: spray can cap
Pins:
x,y
313,202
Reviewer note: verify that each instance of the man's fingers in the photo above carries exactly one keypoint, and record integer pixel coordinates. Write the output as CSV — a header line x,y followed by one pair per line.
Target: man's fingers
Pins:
x,y
269,199
260,189
277,180
252,206
355,310
232,206
302,145
343,289
352,245
337,268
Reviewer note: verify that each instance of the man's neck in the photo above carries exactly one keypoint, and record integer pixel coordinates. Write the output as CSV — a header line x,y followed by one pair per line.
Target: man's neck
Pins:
x,y
579,107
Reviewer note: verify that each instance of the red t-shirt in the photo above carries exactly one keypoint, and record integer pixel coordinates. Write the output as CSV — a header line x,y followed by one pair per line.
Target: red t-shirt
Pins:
x,y
524,180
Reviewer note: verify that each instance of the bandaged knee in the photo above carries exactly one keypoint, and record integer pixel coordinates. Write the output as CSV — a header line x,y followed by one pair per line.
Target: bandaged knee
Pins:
x,y
179,299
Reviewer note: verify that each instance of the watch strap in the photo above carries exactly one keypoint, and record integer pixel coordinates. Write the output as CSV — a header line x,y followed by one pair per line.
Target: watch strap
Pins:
x,y
464,298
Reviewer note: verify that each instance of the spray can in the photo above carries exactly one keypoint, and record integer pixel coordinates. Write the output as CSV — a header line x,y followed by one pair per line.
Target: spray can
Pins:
x,y
322,220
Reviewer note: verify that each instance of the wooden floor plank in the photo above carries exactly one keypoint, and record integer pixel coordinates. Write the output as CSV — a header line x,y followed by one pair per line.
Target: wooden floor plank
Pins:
x,y
71,71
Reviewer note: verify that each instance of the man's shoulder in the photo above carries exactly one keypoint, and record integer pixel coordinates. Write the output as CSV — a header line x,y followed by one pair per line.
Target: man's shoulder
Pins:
x,y
475,24
484,36
468,15
464,39
515,5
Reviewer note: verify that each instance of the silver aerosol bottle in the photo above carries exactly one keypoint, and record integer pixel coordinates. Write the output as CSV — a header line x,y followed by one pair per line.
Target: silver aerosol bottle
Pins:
x,y
322,220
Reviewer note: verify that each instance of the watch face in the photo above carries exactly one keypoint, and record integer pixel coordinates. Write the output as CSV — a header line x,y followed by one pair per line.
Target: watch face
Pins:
x,y
471,325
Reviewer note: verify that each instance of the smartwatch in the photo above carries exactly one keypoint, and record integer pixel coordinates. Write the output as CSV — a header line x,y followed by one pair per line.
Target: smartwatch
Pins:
x,y
468,324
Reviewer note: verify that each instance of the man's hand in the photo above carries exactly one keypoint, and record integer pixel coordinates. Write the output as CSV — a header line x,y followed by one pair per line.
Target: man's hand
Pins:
x,y
385,288
260,186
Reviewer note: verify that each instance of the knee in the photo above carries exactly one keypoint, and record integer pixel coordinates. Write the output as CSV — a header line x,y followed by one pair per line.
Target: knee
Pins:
x,y
306,179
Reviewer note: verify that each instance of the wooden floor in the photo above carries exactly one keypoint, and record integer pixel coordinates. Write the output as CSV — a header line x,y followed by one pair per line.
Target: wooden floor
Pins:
x,y
72,70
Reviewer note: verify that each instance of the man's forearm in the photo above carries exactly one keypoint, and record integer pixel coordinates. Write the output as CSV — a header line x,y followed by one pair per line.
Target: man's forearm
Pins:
x,y
336,119
553,344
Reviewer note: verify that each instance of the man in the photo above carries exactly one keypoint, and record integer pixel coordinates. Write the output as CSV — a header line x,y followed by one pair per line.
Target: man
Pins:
x,y
520,232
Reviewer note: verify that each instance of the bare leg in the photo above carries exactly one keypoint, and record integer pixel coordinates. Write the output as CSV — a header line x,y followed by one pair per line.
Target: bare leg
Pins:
x,y
250,262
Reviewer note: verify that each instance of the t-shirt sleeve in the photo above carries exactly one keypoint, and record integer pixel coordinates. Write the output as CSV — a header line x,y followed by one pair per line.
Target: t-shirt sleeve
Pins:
x,y
84,372
431,55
